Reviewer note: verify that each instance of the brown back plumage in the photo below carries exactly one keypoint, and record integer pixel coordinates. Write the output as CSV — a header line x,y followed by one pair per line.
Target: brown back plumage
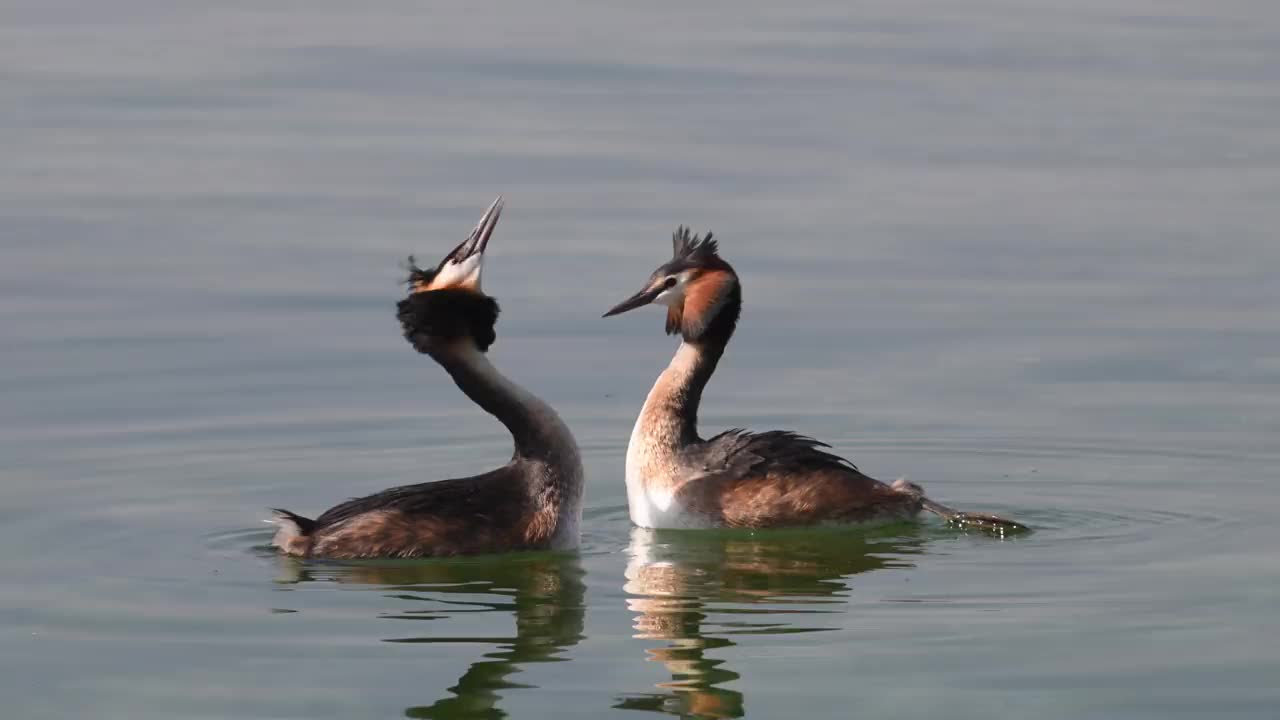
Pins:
x,y
484,514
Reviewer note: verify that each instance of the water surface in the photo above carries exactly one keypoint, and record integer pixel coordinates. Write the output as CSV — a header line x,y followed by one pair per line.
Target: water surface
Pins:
x,y
1021,253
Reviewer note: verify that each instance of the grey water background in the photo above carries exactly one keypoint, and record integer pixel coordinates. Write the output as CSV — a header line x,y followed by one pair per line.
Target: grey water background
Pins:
x,y
1023,253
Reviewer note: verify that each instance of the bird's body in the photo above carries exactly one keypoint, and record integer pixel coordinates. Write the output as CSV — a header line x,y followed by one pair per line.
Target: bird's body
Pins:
x,y
677,479
534,502
465,516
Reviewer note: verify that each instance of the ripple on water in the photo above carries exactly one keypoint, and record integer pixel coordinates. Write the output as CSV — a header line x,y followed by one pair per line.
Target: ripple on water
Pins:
x,y
1082,491
1062,497
1072,516
696,604
1122,524
239,541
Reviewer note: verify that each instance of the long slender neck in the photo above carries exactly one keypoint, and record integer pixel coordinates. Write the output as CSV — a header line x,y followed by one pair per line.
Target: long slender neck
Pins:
x,y
669,420
670,414
537,430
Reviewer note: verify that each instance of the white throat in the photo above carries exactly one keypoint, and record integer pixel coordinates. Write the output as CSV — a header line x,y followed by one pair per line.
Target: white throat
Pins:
x,y
653,454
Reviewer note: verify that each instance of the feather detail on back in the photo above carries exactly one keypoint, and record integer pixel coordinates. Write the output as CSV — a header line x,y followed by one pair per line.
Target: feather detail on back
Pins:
x,y
739,453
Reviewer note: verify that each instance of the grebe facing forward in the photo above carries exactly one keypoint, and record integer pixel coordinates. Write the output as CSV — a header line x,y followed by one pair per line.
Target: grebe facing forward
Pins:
x,y
675,479
534,502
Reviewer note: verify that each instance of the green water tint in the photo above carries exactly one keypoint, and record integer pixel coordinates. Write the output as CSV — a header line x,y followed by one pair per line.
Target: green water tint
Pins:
x,y
694,591
544,592
697,590
1022,253
990,524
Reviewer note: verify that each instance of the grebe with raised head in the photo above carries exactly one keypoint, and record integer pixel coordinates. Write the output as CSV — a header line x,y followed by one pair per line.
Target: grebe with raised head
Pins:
x,y
534,502
675,479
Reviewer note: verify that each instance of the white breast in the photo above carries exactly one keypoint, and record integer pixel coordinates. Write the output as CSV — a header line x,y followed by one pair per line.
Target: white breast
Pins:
x,y
651,477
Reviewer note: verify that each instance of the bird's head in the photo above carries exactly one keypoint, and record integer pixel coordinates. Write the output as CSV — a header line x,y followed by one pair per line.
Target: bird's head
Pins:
x,y
446,305
699,289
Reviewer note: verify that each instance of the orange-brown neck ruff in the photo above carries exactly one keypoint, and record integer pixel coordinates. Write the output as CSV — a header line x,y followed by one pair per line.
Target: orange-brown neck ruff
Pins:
x,y
704,300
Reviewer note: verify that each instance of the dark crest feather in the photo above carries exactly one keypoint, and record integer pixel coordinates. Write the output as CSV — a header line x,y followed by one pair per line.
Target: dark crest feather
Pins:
x,y
685,246
417,275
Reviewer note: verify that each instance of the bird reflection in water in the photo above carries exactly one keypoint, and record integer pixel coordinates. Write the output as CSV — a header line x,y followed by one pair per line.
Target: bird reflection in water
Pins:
x,y
697,590
545,593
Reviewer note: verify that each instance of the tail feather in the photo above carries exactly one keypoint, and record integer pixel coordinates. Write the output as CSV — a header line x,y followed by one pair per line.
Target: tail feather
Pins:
x,y
293,532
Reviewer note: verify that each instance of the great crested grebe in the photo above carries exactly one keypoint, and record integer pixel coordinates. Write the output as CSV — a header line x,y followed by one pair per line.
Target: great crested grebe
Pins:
x,y
675,479
534,502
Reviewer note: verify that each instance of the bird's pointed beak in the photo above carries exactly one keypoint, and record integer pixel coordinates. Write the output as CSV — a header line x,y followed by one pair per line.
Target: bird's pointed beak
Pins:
x,y
640,299
462,267
479,239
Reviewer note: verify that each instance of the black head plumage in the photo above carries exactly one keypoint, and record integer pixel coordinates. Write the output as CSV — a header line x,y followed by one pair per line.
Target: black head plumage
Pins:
x,y
427,318
689,249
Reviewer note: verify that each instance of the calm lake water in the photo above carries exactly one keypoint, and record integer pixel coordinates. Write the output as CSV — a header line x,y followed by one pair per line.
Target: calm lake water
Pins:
x,y
1023,253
